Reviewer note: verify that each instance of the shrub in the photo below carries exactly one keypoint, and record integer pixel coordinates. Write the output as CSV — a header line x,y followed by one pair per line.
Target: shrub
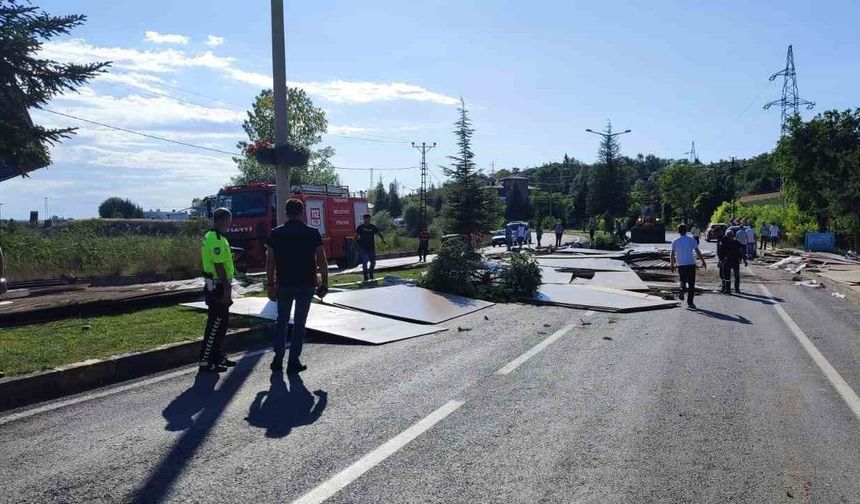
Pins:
x,y
791,221
522,277
604,241
454,269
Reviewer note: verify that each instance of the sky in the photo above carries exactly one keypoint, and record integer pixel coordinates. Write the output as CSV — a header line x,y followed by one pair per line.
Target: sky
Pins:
x,y
534,75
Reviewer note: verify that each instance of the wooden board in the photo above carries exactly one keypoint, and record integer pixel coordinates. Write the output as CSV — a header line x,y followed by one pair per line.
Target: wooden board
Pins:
x,y
554,276
599,299
336,321
408,303
587,251
845,277
624,280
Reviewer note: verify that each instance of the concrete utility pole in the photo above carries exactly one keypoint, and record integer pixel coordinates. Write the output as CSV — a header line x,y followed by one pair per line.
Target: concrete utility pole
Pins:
x,y
279,88
734,189
423,148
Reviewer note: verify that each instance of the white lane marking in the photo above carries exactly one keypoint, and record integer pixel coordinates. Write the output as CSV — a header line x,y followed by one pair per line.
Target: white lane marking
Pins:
x,y
104,393
340,480
833,376
531,352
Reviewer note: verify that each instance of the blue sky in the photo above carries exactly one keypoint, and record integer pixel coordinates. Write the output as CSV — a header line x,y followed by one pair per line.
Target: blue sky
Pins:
x,y
534,75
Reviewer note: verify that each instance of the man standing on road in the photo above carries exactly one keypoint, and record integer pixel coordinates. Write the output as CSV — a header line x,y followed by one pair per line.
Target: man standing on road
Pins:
x,y
538,233
730,253
764,235
294,256
423,244
750,231
218,270
774,235
365,237
683,248
741,235
592,228
559,232
697,234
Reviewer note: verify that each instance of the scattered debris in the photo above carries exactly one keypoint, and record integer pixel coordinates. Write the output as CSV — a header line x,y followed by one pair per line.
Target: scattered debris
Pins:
x,y
546,325
838,295
810,283
463,329
486,317
582,322
608,338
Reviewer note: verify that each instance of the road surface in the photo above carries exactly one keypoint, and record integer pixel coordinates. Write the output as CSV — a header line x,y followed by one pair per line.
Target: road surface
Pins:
x,y
738,402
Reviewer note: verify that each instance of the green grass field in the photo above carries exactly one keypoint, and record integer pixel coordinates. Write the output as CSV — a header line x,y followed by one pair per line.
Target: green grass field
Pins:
x,y
39,347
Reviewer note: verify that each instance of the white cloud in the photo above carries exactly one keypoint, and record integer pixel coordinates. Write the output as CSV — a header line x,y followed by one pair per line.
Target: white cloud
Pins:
x,y
213,41
134,111
137,80
165,38
347,130
171,60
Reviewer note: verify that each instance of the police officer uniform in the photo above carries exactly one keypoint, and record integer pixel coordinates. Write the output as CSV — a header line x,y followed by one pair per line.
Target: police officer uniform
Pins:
x,y
215,249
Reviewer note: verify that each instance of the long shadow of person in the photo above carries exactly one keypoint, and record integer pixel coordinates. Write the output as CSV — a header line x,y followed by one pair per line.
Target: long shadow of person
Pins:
x,y
722,316
181,410
278,409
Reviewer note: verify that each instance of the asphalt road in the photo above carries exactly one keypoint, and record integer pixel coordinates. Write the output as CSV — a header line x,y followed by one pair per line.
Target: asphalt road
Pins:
x,y
719,405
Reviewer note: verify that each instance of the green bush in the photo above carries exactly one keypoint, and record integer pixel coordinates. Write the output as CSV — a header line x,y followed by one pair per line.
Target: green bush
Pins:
x,y
454,269
522,277
793,223
605,241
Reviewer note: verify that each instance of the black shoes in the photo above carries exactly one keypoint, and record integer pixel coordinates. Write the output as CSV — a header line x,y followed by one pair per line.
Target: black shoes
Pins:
x,y
211,367
296,369
691,306
681,295
225,362
277,364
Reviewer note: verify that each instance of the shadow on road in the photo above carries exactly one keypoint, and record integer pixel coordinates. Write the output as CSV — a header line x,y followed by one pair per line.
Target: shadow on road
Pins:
x,y
279,409
722,316
210,403
769,300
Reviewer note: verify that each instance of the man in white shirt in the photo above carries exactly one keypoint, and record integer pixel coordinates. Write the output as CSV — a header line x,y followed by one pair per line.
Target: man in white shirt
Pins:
x,y
750,230
683,248
774,235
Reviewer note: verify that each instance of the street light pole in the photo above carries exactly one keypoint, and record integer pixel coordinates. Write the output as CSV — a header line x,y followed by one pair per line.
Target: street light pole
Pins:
x,y
279,89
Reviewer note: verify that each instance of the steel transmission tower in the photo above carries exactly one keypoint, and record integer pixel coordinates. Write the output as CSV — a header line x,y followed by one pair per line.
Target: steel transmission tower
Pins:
x,y
790,102
694,158
423,198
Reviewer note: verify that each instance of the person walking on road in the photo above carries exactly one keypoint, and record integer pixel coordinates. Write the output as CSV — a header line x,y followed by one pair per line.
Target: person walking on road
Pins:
x,y
592,228
740,234
538,233
750,231
3,286
682,256
697,234
730,252
365,237
423,244
559,232
218,270
294,256
763,235
773,232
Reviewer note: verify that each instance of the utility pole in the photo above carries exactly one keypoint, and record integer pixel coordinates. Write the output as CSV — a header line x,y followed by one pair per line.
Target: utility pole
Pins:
x,y
423,148
279,88
790,101
46,208
608,135
732,175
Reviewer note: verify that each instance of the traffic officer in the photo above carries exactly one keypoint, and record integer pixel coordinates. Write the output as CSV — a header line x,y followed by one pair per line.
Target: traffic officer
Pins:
x,y
218,273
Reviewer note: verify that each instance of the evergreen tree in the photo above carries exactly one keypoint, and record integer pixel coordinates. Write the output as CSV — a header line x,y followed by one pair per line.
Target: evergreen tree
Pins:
x,y
119,208
606,191
469,208
395,206
380,198
27,81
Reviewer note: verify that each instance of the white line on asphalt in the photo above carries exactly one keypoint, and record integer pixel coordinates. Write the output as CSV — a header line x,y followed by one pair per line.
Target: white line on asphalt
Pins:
x,y
104,393
340,480
841,386
531,352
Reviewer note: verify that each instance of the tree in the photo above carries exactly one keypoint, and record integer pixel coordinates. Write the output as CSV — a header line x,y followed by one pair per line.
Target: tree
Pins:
x,y
119,208
395,207
518,208
380,198
27,81
681,185
307,124
607,192
820,165
468,208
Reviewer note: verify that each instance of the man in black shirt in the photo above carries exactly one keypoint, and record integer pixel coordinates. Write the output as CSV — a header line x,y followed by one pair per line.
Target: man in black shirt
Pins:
x,y
365,237
730,253
295,253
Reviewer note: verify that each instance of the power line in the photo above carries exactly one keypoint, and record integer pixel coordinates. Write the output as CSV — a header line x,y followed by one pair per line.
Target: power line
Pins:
x,y
147,135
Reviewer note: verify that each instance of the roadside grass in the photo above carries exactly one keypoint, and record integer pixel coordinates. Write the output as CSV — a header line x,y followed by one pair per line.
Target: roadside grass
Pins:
x,y
39,347
407,273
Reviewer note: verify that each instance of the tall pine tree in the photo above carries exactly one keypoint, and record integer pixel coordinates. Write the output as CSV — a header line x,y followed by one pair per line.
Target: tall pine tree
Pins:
x,y
380,198
606,194
469,207
27,81
395,205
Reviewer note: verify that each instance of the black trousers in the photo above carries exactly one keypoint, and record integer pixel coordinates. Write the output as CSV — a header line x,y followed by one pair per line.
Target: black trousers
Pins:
x,y
216,325
726,270
423,248
687,277
558,239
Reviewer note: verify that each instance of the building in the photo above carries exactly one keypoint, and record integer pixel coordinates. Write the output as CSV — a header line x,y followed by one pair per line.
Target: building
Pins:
x,y
507,186
171,215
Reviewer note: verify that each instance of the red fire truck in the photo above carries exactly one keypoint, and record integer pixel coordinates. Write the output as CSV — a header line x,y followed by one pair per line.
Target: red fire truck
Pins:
x,y
331,209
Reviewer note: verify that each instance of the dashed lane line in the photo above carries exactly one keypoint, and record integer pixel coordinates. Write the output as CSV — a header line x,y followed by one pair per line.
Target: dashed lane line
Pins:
x,y
510,367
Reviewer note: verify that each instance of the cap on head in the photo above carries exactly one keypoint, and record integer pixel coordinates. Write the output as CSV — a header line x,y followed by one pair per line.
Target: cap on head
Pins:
x,y
365,216
294,208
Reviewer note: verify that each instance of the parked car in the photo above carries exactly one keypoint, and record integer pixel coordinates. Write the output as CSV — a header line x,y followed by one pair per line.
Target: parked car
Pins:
x,y
498,238
715,232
